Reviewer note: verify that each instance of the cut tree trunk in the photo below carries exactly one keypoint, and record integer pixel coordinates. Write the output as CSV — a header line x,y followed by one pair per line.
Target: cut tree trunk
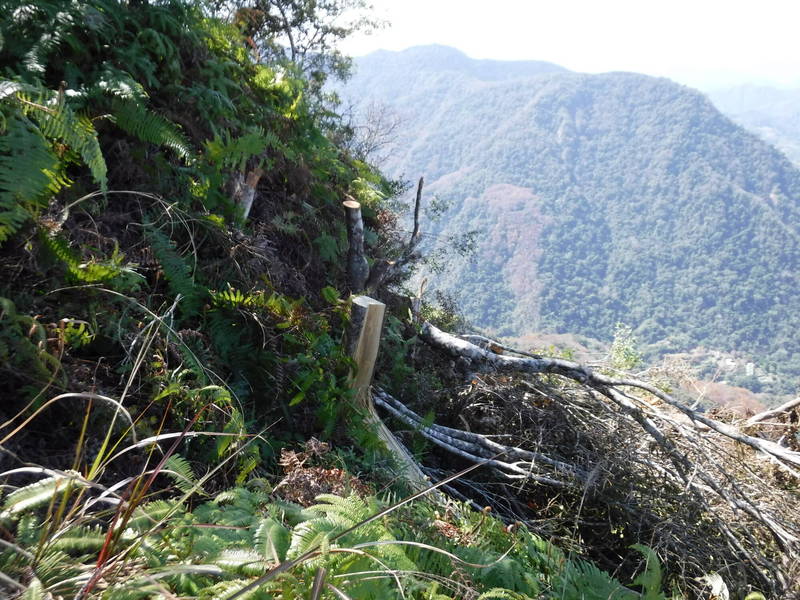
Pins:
x,y
244,190
364,340
357,265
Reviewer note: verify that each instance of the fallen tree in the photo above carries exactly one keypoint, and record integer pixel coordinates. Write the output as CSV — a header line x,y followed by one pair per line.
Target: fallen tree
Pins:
x,y
700,487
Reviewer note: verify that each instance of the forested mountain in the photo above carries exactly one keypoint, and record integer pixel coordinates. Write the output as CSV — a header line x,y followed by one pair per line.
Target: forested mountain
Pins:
x,y
772,113
599,199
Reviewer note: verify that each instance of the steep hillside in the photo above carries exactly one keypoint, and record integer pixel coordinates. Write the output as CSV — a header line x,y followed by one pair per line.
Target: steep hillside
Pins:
x,y
600,198
772,113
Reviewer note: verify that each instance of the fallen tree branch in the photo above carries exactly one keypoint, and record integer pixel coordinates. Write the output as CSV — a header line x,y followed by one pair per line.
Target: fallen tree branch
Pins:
x,y
615,446
495,346
477,448
478,357
774,412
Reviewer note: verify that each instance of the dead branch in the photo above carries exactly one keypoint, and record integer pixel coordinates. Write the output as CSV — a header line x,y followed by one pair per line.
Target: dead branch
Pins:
x,y
495,346
774,412
476,448
684,452
607,386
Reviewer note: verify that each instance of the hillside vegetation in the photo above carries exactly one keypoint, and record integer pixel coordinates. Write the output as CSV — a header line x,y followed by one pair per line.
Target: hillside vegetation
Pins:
x,y
600,199
173,309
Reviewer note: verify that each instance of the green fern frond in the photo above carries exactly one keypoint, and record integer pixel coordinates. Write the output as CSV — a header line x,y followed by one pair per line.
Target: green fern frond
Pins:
x,y
180,471
335,515
582,580
235,152
133,590
36,494
26,174
242,562
650,579
80,540
58,122
271,540
227,589
145,516
206,546
249,459
113,270
55,567
235,426
177,270
35,591
131,116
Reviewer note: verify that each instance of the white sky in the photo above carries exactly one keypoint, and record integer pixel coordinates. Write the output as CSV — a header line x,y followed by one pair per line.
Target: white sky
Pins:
x,y
703,43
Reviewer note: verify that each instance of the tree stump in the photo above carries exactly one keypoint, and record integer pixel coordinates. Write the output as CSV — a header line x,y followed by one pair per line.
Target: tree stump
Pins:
x,y
364,339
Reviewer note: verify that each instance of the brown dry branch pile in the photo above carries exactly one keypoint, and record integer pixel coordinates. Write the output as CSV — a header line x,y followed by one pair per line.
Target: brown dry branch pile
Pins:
x,y
602,463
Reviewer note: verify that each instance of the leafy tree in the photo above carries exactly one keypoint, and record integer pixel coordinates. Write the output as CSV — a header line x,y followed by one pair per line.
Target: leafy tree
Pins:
x,y
301,33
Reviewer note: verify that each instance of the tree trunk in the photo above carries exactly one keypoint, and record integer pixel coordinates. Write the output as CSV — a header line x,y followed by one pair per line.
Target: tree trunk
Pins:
x,y
364,340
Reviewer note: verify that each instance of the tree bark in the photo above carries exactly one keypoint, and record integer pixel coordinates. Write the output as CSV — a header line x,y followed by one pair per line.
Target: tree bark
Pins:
x,y
357,265
244,190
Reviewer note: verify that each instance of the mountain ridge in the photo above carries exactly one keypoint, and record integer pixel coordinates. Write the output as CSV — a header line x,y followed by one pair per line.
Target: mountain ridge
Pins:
x,y
663,213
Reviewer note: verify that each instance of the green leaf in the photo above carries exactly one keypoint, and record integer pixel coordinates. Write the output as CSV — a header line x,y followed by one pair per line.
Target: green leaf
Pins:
x,y
330,294
35,591
650,578
38,493
327,247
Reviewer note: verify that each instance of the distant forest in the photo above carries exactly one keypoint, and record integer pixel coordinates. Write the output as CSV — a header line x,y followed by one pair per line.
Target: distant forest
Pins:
x,y
599,199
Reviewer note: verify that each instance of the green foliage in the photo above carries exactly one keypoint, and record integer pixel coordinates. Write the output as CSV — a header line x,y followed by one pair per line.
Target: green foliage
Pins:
x,y
134,118
623,354
177,271
113,271
234,539
24,352
26,168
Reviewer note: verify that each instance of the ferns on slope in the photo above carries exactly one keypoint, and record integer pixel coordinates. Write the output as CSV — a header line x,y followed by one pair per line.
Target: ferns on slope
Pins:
x,y
27,172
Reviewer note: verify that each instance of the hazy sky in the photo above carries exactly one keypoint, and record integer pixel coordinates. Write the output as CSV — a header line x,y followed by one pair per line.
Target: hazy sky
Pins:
x,y
704,43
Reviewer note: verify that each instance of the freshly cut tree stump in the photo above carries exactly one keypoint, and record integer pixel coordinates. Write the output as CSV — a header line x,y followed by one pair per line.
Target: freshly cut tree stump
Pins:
x,y
364,336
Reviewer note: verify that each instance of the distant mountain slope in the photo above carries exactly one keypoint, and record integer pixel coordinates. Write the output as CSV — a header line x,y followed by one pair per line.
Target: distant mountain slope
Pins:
x,y
600,198
772,113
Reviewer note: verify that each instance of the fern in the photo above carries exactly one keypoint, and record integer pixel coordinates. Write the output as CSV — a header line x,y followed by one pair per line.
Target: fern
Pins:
x,y
132,117
271,540
581,580
234,153
145,516
79,540
180,471
23,347
242,562
59,122
122,277
27,179
650,579
35,591
56,566
36,494
177,271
